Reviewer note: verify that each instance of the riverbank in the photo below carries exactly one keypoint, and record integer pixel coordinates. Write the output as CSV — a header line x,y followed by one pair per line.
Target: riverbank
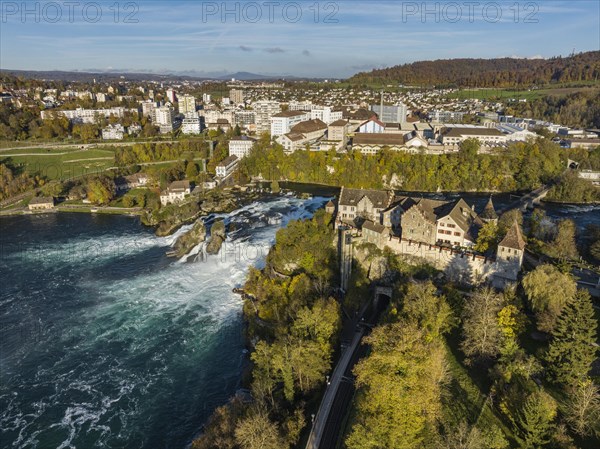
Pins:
x,y
134,211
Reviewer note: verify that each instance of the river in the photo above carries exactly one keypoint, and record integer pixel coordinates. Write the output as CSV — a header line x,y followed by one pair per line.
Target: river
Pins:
x,y
107,343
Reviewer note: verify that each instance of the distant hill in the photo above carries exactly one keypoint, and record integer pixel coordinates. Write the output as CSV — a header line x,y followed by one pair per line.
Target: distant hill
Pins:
x,y
81,76
75,76
504,72
246,76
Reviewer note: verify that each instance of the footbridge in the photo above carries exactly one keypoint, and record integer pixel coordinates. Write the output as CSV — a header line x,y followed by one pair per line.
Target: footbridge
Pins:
x,y
534,197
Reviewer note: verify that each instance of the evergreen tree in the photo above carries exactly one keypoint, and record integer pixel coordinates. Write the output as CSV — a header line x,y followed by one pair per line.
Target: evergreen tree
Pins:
x,y
572,349
536,420
275,187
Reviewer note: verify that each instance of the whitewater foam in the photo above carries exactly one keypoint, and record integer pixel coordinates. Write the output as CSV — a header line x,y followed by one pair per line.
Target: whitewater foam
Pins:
x,y
134,354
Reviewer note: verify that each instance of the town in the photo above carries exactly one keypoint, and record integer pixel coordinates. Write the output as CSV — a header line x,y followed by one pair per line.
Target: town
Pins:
x,y
323,118
255,262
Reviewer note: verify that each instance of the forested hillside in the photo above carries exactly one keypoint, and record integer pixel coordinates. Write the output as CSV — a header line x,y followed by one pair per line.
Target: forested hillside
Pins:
x,y
504,72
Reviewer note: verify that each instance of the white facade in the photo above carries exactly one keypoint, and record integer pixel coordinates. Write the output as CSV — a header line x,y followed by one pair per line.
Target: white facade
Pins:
x,y
148,108
446,116
191,124
372,126
187,105
391,114
236,95
206,98
516,133
171,96
81,115
240,146
325,114
227,166
283,122
263,111
113,132
244,119
175,193
211,116
449,232
300,106
164,119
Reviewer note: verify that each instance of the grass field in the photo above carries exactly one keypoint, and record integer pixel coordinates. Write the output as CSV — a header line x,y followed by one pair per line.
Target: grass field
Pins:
x,y
62,166
56,151
518,94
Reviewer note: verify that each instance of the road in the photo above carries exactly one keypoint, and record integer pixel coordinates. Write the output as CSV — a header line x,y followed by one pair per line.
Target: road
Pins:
x,y
328,421
320,431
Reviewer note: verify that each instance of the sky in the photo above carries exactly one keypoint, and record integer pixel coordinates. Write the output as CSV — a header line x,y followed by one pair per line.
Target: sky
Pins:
x,y
328,39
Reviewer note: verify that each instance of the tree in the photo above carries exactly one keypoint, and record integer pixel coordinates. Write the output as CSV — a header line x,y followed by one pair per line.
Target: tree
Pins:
x,y
86,132
564,246
536,420
595,250
572,351
462,437
149,130
191,170
537,228
469,149
399,388
487,239
548,290
128,201
100,190
257,431
275,187
219,432
140,199
429,310
481,330
507,219
583,409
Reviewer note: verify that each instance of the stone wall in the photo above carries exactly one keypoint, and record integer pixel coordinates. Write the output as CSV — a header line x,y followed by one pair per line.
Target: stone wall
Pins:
x,y
459,267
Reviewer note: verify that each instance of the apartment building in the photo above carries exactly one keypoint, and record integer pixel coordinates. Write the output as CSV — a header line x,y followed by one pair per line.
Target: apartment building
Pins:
x,y
187,104
263,111
283,122
240,146
236,96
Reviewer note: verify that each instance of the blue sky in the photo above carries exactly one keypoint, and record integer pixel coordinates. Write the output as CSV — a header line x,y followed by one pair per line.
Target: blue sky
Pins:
x,y
345,37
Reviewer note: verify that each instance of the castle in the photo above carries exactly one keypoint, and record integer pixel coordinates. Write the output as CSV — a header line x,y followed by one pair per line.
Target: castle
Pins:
x,y
441,232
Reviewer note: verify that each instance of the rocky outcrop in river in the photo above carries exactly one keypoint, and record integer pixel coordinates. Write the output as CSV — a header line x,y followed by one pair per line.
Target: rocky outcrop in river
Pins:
x,y
186,242
217,237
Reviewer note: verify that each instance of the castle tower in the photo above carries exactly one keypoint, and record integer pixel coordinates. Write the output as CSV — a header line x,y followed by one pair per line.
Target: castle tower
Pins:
x,y
489,213
510,253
